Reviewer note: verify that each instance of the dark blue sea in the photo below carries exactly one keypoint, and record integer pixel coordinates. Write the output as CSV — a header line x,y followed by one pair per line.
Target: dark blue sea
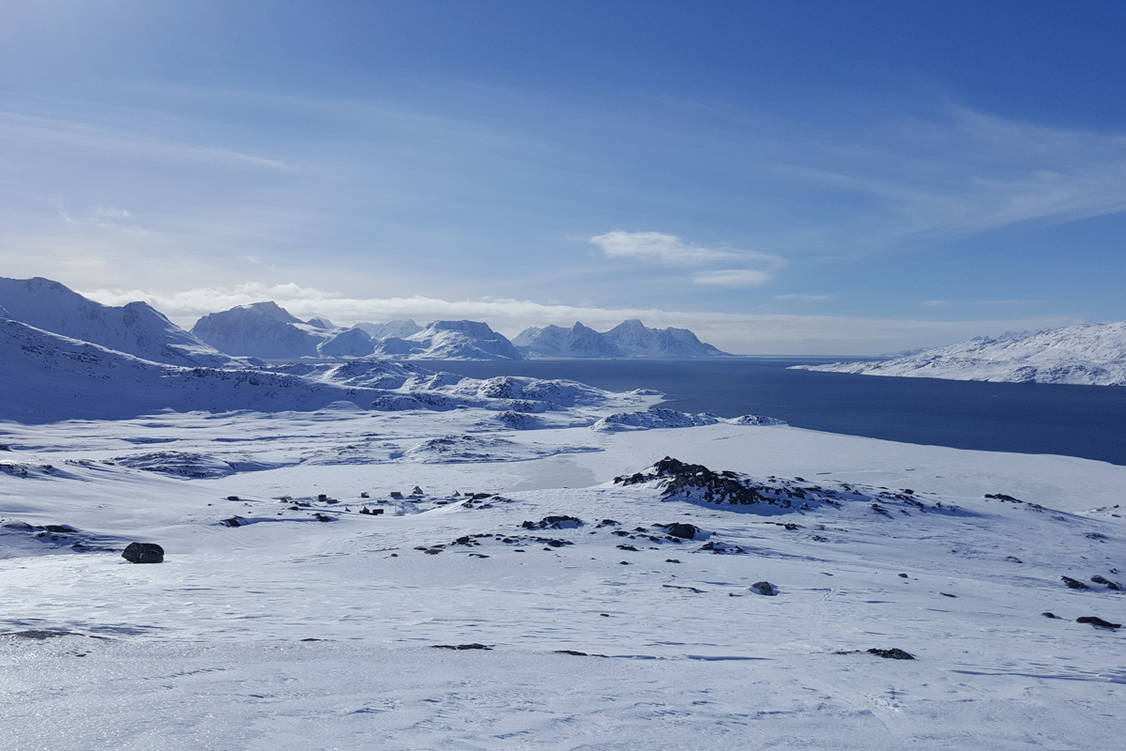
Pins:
x,y
1085,421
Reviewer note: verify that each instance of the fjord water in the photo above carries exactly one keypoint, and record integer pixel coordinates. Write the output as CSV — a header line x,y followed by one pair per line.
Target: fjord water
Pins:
x,y
1083,421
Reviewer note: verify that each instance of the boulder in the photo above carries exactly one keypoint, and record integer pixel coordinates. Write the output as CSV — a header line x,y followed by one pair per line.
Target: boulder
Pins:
x,y
764,588
683,531
143,552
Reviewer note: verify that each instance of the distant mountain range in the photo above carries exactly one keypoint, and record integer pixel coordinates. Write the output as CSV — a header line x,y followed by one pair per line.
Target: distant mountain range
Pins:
x,y
1087,354
628,339
267,331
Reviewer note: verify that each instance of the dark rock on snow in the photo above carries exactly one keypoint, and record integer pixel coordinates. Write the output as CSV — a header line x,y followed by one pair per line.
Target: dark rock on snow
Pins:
x,y
1073,583
891,654
143,552
764,588
1098,622
683,531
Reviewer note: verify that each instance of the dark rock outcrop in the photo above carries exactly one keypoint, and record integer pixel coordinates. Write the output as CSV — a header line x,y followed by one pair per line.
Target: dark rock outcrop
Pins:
x,y
891,654
1098,622
683,531
143,552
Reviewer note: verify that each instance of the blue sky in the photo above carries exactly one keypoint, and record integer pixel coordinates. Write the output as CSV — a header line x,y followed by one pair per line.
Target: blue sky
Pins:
x,y
807,177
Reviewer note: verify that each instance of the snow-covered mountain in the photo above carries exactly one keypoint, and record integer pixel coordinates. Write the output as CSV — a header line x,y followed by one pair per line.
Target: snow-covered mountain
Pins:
x,y
450,340
353,342
556,341
60,378
136,328
261,329
630,338
1086,354
398,329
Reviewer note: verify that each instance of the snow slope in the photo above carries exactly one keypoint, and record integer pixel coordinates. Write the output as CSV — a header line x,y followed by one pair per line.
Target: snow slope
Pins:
x,y
282,631
1087,354
628,339
261,329
136,328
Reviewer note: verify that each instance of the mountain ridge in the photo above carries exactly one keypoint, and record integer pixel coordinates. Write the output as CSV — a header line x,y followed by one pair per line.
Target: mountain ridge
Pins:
x,y
1088,354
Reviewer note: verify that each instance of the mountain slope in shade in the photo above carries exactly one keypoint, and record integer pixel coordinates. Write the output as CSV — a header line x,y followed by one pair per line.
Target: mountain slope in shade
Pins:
x,y
628,339
136,328
1087,354
261,329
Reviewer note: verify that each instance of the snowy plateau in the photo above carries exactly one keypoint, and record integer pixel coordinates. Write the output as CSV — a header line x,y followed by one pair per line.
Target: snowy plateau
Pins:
x,y
1087,354
368,553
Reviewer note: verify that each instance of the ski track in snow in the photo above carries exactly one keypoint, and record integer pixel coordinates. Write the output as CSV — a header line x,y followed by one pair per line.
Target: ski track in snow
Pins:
x,y
207,650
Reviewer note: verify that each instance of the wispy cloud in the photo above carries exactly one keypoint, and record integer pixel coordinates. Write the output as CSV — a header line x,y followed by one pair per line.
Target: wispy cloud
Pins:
x,y
15,127
732,278
961,173
797,297
672,250
658,247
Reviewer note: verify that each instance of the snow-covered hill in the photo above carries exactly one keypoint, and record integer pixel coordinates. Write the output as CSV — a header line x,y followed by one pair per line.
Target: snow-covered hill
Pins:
x,y
1087,354
137,328
262,329
628,339
450,340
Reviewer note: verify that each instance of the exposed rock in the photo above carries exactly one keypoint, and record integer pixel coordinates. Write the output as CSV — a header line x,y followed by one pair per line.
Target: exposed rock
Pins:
x,y
764,588
683,531
1100,579
1098,622
1073,583
554,522
891,654
1050,614
143,552
460,646
234,521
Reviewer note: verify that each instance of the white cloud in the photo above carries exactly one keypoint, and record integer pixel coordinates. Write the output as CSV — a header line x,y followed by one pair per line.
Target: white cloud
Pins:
x,y
933,303
735,332
732,278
